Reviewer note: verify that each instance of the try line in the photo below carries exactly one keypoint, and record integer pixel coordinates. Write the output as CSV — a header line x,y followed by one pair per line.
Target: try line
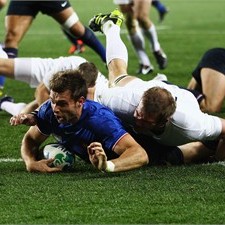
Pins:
x,y
6,160
12,160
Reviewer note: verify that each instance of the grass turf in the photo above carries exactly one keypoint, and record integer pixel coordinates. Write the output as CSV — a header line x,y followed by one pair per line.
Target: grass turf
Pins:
x,y
157,195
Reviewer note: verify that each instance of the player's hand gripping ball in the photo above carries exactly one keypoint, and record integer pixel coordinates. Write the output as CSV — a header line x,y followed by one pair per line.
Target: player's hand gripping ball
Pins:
x,y
62,157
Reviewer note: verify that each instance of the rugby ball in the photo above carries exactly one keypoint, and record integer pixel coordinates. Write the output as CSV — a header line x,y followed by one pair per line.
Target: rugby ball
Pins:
x,y
62,157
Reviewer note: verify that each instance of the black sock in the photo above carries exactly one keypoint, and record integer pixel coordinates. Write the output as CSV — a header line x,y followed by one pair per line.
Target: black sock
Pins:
x,y
92,41
11,52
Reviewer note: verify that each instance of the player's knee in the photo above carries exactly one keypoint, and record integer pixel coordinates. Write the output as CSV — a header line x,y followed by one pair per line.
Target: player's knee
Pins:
x,y
132,26
12,38
198,151
175,157
143,157
191,156
69,23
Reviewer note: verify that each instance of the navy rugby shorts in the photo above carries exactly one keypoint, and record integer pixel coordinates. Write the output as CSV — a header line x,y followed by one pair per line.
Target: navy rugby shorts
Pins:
x,y
31,8
213,59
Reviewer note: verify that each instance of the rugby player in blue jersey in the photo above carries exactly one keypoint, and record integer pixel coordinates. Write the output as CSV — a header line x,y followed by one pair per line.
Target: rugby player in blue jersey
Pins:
x,y
80,124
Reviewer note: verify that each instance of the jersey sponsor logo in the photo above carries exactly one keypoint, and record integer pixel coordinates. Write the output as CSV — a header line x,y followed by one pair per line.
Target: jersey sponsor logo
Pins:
x,y
64,4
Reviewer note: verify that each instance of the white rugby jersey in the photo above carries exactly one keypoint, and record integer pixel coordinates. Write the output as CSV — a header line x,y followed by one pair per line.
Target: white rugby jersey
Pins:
x,y
187,124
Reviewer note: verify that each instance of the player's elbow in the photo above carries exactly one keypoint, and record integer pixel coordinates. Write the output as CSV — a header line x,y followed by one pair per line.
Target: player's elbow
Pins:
x,y
138,158
143,157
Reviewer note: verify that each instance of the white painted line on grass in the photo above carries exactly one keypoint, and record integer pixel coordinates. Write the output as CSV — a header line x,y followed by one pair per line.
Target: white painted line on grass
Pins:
x,y
221,163
10,160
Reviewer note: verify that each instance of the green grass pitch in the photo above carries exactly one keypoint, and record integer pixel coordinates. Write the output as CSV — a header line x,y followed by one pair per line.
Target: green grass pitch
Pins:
x,y
154,195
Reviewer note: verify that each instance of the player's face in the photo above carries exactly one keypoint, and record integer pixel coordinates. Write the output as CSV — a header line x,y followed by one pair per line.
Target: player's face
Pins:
x,y
150,121
66,109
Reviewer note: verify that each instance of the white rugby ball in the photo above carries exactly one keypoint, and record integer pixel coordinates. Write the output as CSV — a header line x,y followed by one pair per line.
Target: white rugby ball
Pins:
x,y
62,157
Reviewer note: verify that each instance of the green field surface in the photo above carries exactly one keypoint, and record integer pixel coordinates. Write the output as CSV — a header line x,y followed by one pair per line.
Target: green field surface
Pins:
x,y
193,194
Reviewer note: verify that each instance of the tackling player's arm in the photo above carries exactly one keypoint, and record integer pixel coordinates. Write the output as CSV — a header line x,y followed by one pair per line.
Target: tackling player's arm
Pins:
x,y
30,149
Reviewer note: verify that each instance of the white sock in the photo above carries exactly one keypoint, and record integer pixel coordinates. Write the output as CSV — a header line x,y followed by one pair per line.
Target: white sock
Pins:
x,y
139,46
152,36
115,48
13,108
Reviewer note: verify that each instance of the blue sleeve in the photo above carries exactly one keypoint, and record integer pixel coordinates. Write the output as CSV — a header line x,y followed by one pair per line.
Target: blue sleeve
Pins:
x,y
108,128
43,119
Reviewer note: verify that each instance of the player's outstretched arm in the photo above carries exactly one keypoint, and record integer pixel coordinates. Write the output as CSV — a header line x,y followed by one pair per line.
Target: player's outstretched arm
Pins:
x,y
30,149
131,156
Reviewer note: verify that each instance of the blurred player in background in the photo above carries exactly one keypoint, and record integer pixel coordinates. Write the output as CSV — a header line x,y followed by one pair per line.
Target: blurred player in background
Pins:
x,y
78,47
137,21
2,3
21,14
208,78
161,8
2,78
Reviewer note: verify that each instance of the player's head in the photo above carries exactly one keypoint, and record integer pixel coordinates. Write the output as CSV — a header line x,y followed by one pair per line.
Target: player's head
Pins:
x,y
68,91
89,72
155,109
69,80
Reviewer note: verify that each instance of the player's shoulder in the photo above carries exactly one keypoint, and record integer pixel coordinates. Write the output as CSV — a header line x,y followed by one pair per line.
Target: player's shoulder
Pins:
x,y
95,108
45,109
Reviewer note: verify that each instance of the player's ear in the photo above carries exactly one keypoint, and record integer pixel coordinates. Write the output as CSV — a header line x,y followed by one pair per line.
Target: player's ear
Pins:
x,y
81,100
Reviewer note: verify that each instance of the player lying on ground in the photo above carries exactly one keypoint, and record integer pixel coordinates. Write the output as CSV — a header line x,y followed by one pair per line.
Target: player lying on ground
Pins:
x,y
165,112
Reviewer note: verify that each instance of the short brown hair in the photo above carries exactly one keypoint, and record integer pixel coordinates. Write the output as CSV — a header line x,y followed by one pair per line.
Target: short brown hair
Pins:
x,y
69,80
159,101
89,72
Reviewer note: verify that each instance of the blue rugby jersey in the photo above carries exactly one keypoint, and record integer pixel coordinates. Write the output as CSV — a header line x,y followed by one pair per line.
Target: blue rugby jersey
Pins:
x,y
97,123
